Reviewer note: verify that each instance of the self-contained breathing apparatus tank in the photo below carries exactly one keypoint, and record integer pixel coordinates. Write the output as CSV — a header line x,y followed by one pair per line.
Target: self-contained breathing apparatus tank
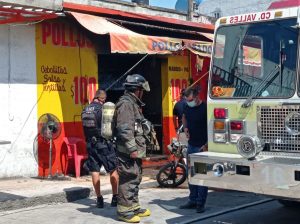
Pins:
x,y
108,111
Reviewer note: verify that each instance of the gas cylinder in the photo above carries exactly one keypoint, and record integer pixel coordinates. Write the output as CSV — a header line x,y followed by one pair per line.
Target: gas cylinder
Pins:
x,y
108,111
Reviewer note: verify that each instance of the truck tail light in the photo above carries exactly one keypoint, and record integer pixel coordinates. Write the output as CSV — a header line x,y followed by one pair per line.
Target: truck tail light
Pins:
x,y
220,137
220,134
235,137
220,131
236,130
220,113
236,125
219,125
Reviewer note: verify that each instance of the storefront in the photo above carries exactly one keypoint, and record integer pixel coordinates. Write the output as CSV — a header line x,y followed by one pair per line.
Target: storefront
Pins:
x,y
56,68
170,65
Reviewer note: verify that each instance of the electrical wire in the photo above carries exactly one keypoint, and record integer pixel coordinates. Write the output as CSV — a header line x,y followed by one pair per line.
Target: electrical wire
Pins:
x,y
10,116
22,128
129,70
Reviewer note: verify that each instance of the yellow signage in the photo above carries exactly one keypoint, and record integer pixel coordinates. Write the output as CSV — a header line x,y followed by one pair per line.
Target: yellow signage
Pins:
x,y
67,69
175,78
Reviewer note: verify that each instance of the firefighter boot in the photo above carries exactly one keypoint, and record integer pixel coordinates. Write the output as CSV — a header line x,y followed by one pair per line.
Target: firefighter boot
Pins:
x,y
142,212
129,218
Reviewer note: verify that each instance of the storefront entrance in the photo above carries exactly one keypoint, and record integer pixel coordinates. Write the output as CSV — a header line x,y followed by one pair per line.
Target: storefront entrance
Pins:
x,y
112,66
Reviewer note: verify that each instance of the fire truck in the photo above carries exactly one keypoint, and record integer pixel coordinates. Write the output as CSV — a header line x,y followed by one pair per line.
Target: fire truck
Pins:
x,y
253,107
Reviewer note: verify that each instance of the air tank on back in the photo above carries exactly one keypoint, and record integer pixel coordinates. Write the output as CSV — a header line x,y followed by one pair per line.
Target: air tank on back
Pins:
x,y
108,111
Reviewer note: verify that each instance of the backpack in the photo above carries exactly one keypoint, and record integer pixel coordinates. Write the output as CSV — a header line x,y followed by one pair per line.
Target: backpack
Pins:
x,y
91,120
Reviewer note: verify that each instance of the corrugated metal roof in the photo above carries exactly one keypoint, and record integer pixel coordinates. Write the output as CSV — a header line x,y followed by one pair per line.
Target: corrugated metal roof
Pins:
x,y
10,13
105,11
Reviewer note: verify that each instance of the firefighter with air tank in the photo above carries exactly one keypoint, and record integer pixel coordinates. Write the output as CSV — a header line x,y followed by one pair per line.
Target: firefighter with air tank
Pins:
x,y
96,125
131,129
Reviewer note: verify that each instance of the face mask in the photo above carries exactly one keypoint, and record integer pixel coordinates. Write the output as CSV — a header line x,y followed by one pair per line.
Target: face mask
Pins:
x,y
191,103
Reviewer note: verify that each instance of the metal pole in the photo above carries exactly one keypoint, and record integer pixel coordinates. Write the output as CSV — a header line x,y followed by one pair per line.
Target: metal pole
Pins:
x,y
50,158
190,10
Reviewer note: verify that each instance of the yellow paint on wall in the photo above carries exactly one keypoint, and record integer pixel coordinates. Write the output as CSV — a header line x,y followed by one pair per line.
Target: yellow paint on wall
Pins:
x,y
165,88
175,74
67,69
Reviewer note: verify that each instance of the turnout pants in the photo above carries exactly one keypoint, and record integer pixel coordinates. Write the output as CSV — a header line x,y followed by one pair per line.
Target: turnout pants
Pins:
x,y
130,177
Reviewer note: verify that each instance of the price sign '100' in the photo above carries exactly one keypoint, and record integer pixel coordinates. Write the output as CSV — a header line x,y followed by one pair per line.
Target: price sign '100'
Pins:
x,y
176,86
84,89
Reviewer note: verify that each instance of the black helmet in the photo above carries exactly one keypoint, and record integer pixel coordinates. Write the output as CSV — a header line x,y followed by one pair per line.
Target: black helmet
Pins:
x,y
136,81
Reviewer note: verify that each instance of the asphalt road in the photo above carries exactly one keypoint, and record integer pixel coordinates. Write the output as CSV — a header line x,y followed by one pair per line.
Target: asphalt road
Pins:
x,y
164,206
267,213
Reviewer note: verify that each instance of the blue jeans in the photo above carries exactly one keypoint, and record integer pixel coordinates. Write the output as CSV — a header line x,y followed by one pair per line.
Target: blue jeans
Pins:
x,y
198,194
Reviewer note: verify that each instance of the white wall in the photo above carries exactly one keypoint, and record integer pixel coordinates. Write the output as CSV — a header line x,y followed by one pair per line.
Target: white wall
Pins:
x,y
18,97
233,7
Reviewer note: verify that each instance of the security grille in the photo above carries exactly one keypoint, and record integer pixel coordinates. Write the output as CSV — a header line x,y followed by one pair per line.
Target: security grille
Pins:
x,y
279,126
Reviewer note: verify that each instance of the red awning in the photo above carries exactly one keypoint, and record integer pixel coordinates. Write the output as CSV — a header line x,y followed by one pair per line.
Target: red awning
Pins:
x,y
284,4
18,14
209,36
123,40
201,48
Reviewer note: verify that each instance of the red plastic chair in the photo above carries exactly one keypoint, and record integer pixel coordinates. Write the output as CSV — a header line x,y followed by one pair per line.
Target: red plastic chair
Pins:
x,y
72,144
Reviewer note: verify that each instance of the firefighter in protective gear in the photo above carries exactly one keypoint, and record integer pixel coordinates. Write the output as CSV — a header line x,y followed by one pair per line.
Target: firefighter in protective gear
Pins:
x,y
131,148
100,151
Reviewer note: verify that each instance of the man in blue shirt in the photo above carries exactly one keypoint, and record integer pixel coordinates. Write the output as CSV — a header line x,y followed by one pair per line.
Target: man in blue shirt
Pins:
x,y
178,110
195,127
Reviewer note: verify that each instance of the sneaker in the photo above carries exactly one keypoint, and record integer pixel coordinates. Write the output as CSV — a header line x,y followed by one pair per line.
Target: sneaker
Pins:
x,y
129,218
188,205
99,202
142,212
114,201
200,208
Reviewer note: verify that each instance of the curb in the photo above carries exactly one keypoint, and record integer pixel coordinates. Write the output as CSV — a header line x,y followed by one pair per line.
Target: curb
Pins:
x,y
61,197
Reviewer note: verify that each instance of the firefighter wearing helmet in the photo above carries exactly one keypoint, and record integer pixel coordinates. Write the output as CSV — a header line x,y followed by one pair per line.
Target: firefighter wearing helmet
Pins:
x,y
131,147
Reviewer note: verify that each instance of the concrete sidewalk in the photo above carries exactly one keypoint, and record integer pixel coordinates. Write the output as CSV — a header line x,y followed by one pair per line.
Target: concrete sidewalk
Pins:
x,y
163,203
27,192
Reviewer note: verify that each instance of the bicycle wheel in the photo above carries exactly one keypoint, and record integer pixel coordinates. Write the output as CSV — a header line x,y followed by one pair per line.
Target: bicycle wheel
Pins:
x,y
170,176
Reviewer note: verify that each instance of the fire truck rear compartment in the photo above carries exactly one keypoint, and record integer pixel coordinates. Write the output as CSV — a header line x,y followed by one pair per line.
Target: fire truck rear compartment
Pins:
x,y
267,174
